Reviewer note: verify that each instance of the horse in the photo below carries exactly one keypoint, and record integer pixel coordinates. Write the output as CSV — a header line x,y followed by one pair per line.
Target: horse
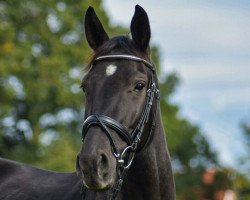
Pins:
x,y
24,182
124,154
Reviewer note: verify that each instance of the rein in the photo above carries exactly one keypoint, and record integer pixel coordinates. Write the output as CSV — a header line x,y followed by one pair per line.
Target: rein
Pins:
x,y
126,156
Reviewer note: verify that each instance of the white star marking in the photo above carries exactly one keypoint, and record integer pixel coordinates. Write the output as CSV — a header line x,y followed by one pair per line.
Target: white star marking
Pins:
x,y
110,70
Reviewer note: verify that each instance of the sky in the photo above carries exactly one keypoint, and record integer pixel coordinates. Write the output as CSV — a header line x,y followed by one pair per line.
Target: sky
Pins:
x,y
207,43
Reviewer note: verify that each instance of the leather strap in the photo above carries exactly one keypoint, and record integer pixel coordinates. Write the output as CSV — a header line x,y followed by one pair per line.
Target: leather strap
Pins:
x,y
125,57
96,120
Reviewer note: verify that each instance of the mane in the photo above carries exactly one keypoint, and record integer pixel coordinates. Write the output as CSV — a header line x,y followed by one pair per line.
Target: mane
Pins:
x,y
116,45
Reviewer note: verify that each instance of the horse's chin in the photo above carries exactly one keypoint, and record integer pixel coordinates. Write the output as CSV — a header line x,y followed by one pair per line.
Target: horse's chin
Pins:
x,y
97,185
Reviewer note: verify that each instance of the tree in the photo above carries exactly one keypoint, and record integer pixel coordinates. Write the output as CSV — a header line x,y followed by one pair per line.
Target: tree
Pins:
x,y
246,135
189,149
42,54
242,178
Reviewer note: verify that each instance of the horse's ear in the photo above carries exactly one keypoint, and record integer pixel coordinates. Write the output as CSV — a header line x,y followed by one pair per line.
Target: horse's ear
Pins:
x,y
140,29
94,30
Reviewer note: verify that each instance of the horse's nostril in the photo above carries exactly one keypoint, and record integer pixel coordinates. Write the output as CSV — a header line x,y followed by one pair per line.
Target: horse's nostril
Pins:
x,y
103,166
103,161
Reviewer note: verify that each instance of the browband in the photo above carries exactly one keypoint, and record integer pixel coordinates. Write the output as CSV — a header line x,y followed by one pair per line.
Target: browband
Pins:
x,y
126,57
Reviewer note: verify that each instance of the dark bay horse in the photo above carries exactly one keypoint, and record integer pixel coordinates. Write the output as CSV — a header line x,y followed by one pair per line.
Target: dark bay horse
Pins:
x,y
124,154
23,182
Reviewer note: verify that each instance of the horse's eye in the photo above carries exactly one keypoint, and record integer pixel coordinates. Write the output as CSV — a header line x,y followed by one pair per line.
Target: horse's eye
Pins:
x,y
139,87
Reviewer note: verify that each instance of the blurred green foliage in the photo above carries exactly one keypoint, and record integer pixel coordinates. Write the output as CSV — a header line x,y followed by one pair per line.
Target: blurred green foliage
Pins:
x,y
42,55
242,180
246,134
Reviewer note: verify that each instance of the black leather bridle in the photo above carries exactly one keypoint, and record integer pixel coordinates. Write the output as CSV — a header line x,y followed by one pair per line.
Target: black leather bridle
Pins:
x,y
126,156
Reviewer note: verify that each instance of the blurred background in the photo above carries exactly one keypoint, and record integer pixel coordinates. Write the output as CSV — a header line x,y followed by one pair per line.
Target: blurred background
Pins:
x,y
202,51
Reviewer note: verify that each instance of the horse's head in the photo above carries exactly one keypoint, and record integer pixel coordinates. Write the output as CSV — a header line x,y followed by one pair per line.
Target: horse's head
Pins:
x,y
116,89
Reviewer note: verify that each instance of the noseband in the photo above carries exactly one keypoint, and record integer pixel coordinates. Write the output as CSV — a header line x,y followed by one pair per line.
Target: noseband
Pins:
x,y
126,156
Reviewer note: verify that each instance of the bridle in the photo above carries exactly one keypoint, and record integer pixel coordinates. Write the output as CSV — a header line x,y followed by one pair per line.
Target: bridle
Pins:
x,y
126,156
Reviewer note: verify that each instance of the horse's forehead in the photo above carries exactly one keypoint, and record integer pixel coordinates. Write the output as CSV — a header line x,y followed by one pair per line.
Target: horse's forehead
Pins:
x,y
116,71
113,69
110,69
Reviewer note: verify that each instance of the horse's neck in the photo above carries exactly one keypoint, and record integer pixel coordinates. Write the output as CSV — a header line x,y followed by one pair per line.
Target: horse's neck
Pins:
x,y
150,176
